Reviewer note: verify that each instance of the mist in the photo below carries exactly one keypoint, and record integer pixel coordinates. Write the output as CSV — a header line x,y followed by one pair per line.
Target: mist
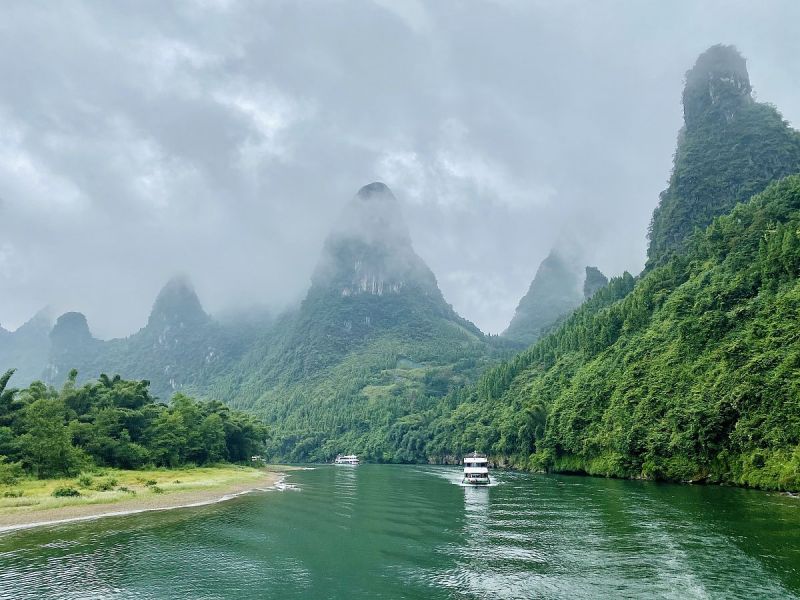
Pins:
x,y
221,140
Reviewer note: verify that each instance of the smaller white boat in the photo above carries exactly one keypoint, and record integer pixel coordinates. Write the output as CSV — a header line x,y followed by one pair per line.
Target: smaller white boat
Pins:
x,y
476,469
346,459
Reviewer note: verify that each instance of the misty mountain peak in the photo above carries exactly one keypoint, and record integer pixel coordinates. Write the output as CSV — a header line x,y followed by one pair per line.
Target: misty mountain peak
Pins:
x,y
177,305
717,86
71,329
554,292
373,216
369,249
730,148
41,322
376,188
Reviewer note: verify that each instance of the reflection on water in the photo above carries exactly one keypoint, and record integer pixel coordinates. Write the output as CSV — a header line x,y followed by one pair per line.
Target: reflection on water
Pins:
x,y
414,532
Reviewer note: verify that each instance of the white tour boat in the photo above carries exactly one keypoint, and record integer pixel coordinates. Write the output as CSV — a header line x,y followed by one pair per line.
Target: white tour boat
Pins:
x,y
476,469
347,459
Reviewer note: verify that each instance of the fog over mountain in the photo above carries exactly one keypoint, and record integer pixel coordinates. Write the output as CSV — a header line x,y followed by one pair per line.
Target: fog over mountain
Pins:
x,y
221,140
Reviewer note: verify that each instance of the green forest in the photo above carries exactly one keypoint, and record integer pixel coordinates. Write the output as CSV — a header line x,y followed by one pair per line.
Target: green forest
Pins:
x,y
689,373
112,422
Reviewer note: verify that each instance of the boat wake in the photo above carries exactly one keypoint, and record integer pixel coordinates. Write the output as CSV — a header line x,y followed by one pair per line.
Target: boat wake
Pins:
x,y
457,478
477,487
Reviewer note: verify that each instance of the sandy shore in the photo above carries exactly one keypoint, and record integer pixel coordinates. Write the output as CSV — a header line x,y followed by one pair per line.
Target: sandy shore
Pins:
x,y
137,504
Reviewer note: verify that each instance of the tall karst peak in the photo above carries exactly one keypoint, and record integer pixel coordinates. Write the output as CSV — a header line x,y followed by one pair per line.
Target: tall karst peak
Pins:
x,y
717,86
729,149
369,249
177,305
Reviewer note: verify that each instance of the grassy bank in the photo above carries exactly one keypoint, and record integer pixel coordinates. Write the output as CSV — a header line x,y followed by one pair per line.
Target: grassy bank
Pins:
x,y
107,491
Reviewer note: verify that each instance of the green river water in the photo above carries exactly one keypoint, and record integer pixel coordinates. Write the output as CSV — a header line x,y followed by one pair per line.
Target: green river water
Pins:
x,y
413,532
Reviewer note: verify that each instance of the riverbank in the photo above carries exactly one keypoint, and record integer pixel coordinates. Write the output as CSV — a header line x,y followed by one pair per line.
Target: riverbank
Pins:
x,y
109,492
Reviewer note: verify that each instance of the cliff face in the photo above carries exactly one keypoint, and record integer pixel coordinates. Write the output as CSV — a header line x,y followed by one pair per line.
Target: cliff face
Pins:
x,y
717,87
369,250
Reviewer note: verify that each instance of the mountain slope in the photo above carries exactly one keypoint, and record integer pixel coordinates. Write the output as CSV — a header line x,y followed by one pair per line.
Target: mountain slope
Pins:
x,y
554,293
730,148
373,341
694,374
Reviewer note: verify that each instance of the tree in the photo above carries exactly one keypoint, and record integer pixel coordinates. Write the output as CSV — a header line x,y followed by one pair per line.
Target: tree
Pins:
x,y
45,447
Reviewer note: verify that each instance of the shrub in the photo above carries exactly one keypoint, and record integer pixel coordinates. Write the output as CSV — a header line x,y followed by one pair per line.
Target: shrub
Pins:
x,y
127,490
12,494
156,490
66,492
150,482
85,481
10,472
107,485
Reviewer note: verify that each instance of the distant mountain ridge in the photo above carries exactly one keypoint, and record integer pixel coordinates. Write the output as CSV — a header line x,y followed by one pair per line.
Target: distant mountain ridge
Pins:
x,y
180,348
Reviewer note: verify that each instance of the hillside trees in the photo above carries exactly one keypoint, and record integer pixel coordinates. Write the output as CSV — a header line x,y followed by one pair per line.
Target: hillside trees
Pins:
x,y
115,422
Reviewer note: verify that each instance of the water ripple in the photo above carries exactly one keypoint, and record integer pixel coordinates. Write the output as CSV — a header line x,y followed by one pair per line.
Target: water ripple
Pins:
x,y
414,532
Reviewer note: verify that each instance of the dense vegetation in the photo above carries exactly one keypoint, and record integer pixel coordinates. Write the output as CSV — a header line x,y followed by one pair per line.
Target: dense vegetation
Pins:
x,y
690,373
115,423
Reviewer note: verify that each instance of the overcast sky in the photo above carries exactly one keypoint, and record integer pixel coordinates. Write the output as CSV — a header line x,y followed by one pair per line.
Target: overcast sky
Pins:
x,y
220,138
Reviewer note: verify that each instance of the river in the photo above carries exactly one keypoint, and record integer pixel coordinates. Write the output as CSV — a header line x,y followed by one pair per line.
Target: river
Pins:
x,y
379,531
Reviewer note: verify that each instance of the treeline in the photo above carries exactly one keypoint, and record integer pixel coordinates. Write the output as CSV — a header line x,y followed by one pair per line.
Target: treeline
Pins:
x,y
116,423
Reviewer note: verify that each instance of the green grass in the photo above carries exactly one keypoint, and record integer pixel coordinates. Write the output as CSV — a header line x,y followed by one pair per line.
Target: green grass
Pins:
x,y
37,494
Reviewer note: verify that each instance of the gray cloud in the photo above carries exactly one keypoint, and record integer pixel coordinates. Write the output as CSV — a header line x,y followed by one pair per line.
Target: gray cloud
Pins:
x,y
220,139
